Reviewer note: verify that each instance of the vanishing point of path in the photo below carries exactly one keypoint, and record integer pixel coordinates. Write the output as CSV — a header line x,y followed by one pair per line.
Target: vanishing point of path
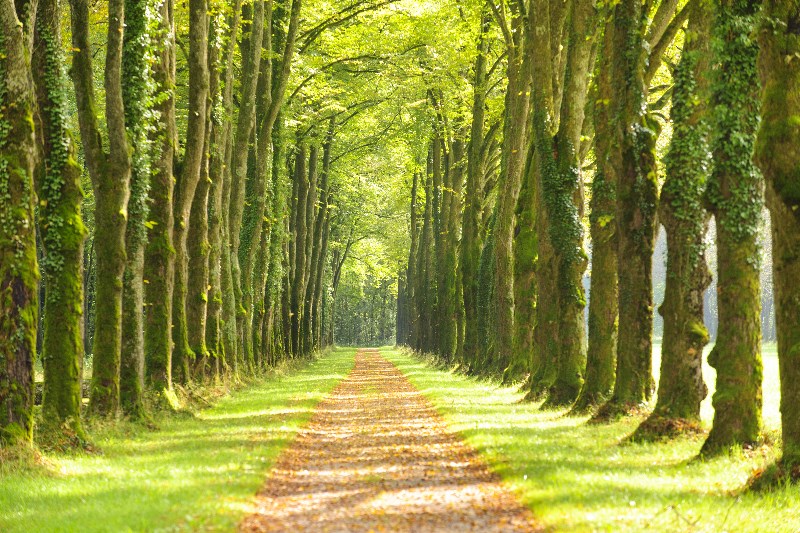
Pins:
x,y
376,456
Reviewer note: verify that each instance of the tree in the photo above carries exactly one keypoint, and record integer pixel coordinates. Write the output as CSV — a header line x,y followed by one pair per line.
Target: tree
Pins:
x,y
777,157
735,194
682,212
19,273
110,173
58,185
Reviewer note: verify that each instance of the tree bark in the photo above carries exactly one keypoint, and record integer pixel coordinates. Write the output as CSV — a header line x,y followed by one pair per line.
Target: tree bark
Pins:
x,y
735,193
778,157
19,273
681,387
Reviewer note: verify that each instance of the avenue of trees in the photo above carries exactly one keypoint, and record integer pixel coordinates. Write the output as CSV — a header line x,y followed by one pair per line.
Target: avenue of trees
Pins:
x,y
615,118
193,192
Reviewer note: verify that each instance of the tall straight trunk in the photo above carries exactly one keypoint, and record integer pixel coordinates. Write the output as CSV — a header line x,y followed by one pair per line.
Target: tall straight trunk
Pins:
x,y
603,301
19,273
317,257
777,156
470,236
219,174
735,192
308,264
251,63
188,180
449,291
514,142
633,159
487,303
438,158
411,273
198,252
110,174
137,98
278,238
526,247
681,387
58,184
297,286
425,269
159,262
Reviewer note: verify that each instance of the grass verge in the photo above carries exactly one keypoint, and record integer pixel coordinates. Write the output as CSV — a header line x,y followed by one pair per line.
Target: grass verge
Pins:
x,y
195,473
577,477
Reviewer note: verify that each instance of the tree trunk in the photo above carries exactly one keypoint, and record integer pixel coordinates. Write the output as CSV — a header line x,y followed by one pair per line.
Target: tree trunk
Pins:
x,y
681,387
188,180
137,98
777,156
735,193
62,236
603,300
159,263
19,274
633,159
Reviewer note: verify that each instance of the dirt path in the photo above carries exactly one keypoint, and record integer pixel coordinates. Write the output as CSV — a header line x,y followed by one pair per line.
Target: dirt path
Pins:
x,y
376,456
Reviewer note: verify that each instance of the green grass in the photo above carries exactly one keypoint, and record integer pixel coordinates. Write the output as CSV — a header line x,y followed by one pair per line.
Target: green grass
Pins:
x,y
193,474
577,477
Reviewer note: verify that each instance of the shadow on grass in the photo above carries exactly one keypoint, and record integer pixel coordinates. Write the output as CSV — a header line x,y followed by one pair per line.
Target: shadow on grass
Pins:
x,y
194,473
577,477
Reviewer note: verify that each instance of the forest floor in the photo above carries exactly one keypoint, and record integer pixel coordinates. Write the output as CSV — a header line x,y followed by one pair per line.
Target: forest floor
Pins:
x,y
578,478
377,456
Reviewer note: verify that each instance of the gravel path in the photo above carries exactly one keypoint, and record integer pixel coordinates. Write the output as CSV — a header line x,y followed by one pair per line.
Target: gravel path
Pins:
x,y
377,456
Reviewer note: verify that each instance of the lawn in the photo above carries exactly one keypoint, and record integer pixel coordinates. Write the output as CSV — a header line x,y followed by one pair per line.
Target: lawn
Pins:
x,y
577,477
195,473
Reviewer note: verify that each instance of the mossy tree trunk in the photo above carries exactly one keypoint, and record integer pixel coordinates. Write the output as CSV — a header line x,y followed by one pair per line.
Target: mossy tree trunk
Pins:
x,y
411,273
557,139
735,193
137,93
250,48
299,244
470,234
188,180
681,387
515,140
603,311
448,344
219,175
19,273
778,157
159,262
633,159
110,173
62,235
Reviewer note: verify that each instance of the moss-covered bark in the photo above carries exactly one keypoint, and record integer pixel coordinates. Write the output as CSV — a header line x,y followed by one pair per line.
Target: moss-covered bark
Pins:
x,y
602,320
735,194
188,180
603,311
448,336
411,273
58,184
137,91
470,234
110,173
19,273
159,262
778,156
681,387
515,140
633,158
299,240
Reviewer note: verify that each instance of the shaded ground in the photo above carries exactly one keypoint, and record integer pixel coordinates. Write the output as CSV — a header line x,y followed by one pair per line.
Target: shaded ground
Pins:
x,y
377,457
